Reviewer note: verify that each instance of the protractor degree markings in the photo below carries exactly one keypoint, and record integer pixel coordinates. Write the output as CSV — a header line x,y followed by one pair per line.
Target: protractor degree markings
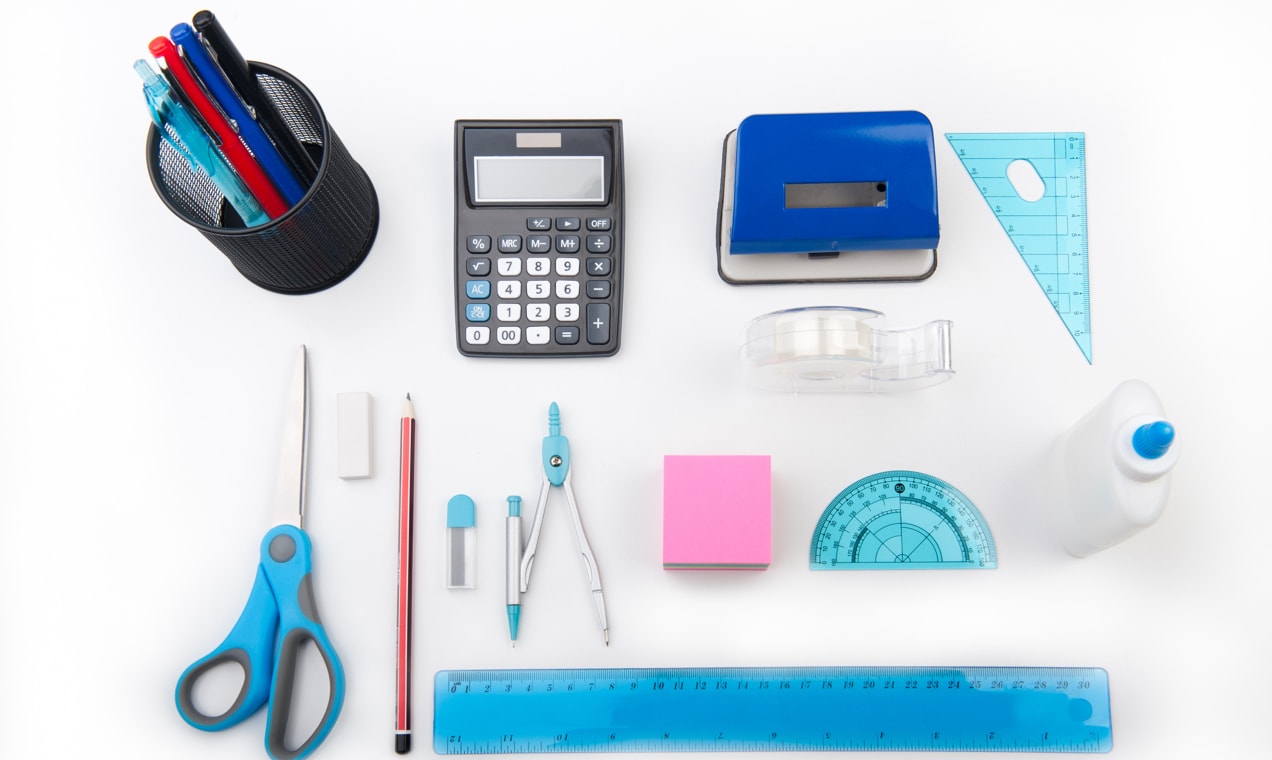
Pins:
x,y
904,520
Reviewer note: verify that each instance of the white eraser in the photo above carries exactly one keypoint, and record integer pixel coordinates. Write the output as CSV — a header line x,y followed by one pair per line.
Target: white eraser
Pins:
x,y
353,435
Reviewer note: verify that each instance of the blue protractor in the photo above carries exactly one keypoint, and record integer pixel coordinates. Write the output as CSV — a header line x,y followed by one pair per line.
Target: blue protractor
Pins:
x,y
901,520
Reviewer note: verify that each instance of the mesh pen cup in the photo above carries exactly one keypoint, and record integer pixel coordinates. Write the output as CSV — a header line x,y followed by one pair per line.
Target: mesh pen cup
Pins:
x,y
319,241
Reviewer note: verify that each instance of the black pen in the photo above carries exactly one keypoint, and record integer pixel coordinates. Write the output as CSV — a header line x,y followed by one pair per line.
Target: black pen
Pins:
x,y
244,82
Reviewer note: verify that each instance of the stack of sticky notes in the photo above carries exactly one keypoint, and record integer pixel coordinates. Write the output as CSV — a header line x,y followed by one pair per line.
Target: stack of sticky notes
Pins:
x,y
717,512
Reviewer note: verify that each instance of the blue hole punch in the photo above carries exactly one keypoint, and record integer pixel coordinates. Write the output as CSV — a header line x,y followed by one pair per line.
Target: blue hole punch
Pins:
x,y
829,197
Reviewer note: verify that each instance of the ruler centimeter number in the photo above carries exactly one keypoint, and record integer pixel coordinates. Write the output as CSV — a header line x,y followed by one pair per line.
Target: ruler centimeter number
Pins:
x,y
994,709
1049,232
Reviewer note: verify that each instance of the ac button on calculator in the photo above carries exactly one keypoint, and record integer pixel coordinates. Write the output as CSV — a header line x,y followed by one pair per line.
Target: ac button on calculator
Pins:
x,y
538,237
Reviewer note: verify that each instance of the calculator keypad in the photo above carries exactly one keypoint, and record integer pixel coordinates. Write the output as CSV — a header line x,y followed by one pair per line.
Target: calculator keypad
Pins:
x,y
546,290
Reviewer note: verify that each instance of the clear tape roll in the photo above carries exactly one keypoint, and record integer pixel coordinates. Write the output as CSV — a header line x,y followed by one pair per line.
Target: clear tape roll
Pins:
x,y
844,349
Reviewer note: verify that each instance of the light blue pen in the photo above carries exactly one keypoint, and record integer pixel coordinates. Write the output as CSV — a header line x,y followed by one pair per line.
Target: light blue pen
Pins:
x,y
514,565
194,145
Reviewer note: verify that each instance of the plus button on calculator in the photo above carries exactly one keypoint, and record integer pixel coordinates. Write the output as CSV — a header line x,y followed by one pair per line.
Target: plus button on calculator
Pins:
x,y
538,237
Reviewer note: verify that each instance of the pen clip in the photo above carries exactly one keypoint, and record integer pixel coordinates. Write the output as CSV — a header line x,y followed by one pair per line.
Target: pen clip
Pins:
x,y
174,89
179,50
211,51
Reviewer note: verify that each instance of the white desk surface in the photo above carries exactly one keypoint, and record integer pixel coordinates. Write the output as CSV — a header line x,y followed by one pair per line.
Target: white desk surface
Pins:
x,y
142,378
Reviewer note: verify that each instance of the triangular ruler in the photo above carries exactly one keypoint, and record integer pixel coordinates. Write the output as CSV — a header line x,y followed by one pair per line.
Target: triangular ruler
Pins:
x,y
1049,232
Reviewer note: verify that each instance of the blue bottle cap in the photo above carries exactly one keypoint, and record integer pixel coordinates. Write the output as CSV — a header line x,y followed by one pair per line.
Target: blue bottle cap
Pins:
x,y
1153,440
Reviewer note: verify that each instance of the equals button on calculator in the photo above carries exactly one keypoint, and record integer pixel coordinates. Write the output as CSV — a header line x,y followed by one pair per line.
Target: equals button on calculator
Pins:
x,y
538,237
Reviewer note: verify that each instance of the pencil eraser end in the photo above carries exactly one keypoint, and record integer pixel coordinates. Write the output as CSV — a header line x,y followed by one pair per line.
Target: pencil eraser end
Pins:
x,y
353,435
717,512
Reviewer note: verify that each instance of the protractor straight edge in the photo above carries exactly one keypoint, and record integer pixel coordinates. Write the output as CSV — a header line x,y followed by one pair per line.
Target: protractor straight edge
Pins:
x,y
695,709
901,520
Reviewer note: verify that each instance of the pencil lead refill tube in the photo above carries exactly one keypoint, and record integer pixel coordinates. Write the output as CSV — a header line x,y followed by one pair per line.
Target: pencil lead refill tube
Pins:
x,y
461,542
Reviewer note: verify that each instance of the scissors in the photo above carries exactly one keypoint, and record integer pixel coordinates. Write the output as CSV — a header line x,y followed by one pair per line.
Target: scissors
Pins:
x,y
280,616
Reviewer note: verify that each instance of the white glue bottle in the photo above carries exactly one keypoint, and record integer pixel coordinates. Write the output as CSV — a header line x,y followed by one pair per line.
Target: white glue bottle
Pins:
x,y
1110,473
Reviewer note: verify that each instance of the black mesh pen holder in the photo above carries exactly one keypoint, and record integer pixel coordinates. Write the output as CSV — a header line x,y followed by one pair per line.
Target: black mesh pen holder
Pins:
x,y
319,241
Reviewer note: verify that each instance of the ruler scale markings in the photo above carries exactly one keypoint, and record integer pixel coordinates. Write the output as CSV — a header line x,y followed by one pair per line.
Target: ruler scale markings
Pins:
x,y
772,709
1060,160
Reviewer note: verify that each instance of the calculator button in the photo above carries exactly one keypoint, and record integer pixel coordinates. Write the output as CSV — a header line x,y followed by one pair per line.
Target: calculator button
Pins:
x,y
509,243
598,243
478,288
478,312
598,323
598,267
537,266
508,312
599,224
567,289
565,223
538,312
535,223
567,243
508,336
566,335
539,335
538,243
509,289
538,289
598,288
567,312
477,336
567,266
510,267
478,266
478,244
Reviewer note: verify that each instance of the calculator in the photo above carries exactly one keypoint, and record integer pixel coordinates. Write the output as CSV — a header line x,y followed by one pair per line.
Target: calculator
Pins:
x,y
538,237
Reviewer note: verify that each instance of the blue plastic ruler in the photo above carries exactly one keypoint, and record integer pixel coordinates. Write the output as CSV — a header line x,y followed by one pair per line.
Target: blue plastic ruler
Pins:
x,y
1050,232
901,520
772,709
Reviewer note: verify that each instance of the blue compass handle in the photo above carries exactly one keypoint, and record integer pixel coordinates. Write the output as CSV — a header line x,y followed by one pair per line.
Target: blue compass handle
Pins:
x,y
556,449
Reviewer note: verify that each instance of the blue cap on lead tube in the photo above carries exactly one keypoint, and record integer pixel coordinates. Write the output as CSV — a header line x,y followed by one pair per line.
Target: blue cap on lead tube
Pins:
x,y
461,512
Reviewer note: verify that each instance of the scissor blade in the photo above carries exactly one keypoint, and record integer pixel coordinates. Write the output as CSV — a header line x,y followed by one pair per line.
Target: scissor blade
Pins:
x,y
289,496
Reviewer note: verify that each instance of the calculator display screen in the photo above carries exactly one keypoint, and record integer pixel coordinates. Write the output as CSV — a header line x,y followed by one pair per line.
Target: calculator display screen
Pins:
x,y
539,179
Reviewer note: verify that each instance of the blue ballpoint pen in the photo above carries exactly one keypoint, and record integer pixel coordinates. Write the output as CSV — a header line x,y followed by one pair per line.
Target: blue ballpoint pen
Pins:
x,y
232,106
514,565
192,143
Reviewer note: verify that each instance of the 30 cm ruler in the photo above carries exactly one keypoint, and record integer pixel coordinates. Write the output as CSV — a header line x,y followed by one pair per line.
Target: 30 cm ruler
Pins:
x,y
772,709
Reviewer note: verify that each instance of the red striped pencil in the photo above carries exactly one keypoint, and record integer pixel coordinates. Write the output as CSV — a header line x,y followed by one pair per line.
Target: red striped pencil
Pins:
x,y
406,519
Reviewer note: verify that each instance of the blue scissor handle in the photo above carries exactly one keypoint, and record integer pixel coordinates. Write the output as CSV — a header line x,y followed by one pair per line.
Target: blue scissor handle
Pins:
x,y
280,616
251,645
285,556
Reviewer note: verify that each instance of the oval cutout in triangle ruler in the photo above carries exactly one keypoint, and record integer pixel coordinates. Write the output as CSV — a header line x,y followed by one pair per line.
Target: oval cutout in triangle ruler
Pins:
x,y
1050,233
901,520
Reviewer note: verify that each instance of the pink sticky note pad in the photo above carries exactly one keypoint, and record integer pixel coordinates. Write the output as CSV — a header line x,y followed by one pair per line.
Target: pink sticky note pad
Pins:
x,y
717,512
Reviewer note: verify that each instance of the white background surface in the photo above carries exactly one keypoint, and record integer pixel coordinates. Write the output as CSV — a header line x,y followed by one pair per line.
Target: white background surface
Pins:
x,y
142,378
